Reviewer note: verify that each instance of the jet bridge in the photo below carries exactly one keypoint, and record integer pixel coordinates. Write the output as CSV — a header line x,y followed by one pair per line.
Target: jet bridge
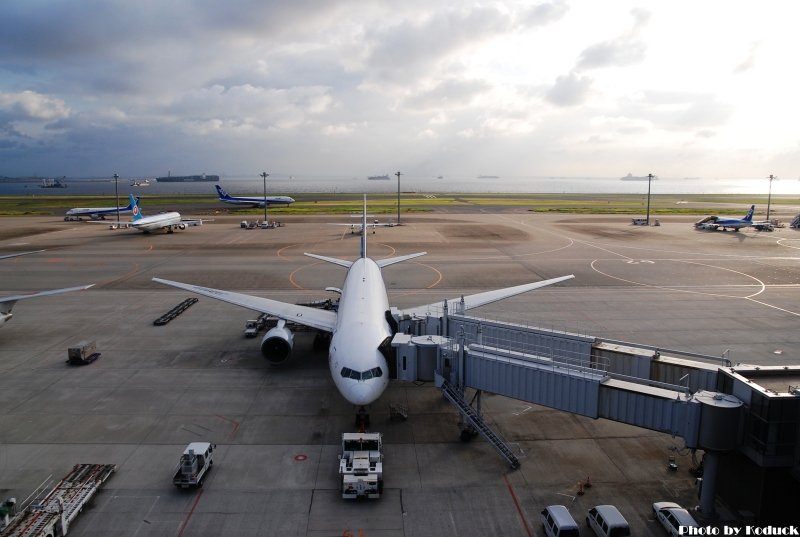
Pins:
x,y
669,392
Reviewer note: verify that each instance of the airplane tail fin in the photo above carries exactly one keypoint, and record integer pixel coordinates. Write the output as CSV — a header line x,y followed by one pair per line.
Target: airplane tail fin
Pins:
x,y
134,203
364,230
380,262
131,204
749,216
222,193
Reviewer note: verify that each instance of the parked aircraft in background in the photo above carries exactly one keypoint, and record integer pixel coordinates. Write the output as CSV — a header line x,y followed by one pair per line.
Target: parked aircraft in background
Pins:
x,y
361,332
8,302
715,223
359,227
169,221
256,201
96,213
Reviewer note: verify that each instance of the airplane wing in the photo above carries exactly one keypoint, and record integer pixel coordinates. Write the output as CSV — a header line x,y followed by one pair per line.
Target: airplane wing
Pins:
x,y
481,299
194,222
112,224
313,317
19,254
7,302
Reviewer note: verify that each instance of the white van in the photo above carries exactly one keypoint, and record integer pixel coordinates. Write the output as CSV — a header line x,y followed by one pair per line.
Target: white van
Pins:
x,y
607,521
557,522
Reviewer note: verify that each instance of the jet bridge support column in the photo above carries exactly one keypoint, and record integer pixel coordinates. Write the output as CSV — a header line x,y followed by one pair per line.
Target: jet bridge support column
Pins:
x,y
444,320
708,492
717,430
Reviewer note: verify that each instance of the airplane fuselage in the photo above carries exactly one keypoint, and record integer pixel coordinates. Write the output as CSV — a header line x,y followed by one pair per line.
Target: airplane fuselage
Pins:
x,y
95,212
158,221
360,329
258,202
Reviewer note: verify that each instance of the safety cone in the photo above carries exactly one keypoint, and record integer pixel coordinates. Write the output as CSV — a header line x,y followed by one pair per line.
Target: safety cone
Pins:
x,y
580,488
588,483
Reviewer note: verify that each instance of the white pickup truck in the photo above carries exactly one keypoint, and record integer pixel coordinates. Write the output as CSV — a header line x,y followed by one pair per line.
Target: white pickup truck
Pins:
x,y
195,462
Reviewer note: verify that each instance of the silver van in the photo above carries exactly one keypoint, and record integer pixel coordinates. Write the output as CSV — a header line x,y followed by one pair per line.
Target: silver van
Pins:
x,y
607,521
557,522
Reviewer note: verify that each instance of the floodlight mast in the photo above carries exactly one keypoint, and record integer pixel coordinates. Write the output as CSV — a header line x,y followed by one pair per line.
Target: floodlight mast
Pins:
x,y
649,178
398,174
769,196
116,193
264,176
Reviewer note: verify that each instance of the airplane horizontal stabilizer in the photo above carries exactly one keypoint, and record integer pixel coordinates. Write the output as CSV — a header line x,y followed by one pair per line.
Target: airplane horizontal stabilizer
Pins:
x,y
313,317
481,299
335,260
399,259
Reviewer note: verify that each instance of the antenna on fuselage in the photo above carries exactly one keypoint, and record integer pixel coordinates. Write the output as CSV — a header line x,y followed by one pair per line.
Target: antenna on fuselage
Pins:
x,y
364,230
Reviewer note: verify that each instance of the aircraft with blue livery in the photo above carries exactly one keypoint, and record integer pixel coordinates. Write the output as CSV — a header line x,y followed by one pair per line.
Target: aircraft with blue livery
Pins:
x,y
715,223
96,213
169,221
253,201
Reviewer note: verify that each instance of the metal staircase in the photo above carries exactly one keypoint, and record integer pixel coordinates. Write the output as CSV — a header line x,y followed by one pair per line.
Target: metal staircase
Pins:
x,y
456,397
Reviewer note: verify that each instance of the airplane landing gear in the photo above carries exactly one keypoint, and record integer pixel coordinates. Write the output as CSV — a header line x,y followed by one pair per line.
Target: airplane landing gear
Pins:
x,y
362,419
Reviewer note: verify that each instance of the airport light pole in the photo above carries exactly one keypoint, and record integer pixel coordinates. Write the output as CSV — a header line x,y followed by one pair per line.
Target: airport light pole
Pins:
x,y
264,176
769,196
649,179
398,174
116,193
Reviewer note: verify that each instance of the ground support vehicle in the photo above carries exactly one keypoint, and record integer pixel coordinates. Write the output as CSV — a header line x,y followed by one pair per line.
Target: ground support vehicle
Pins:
x,y
361,465
52,514
82,353
194,464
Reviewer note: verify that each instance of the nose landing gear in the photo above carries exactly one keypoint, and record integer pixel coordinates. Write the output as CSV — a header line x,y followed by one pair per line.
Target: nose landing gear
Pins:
x,y
362,419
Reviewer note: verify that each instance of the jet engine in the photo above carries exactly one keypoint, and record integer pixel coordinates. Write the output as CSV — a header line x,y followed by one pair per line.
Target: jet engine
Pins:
x,y
277,344
5,317
181,226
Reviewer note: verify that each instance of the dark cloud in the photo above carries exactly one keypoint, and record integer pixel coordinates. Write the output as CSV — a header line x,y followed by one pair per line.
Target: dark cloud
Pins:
x,y
624,50
543,14
619,52
405,51
749,61
448,94
569,90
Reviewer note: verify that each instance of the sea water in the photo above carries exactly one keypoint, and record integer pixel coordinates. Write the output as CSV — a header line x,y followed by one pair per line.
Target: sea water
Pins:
x,y
284,184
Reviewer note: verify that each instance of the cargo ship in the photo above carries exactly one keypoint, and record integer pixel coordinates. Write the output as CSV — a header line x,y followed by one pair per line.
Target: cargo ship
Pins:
x,y
188,178
378,177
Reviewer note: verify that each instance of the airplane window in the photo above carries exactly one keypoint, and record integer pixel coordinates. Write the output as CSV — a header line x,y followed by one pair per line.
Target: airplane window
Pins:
x,y
366,375
377,372
355,375
346,372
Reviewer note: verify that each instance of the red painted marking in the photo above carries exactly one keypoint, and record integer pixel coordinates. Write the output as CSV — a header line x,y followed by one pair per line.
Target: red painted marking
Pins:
x,y
300,457
191,512
516,503
235,428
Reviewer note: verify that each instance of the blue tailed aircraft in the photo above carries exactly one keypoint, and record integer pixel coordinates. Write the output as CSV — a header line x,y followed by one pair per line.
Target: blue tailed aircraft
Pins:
x,y
255,201
715,223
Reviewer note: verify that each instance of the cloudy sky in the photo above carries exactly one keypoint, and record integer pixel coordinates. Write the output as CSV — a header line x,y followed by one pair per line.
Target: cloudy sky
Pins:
x,y
338,87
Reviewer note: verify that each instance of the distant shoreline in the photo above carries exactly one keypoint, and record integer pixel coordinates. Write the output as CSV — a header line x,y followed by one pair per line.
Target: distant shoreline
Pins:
x,y
48,203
